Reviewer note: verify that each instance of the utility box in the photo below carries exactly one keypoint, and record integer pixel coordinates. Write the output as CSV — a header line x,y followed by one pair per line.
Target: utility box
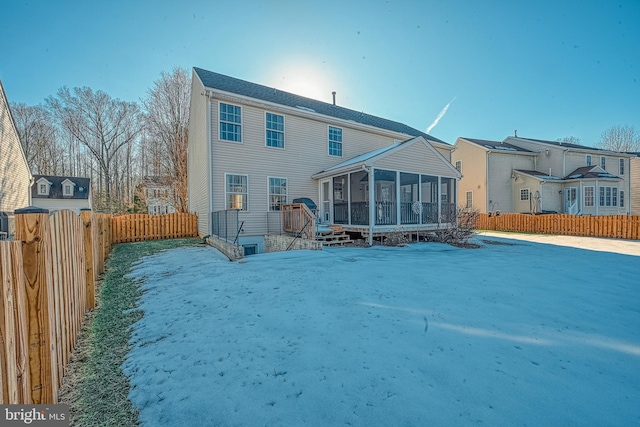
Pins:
x,y
4,226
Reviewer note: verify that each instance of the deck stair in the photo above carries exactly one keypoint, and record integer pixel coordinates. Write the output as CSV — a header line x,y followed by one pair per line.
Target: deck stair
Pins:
x,y
333,235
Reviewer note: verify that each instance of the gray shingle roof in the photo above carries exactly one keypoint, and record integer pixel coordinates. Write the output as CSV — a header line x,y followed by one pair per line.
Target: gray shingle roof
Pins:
x,y
81,190
561,144
241,87
497,145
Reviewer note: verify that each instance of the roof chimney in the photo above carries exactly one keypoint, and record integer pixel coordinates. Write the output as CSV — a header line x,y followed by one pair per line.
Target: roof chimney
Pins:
x,y
515,133
334,97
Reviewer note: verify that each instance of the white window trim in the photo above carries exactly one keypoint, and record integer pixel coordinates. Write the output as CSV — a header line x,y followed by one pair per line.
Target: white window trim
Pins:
x,y
593,196
284,128
286,195
226,193
64,190
621,200
46,189
611,195
603,162
621,167
241,124
329,141
588,159
467,199
528,194
459,162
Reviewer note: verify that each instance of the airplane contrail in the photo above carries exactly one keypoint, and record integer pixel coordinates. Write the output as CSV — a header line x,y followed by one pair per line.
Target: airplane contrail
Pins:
x,y
441,115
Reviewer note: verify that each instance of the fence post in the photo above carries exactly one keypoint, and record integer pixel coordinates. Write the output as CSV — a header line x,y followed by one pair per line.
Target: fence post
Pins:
x,y
88,220
33,229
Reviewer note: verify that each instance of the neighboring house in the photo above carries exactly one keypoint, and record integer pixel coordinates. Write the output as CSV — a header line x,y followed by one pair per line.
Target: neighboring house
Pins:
x,y
635,183
254,148
61,192
536,176
15,177
159,195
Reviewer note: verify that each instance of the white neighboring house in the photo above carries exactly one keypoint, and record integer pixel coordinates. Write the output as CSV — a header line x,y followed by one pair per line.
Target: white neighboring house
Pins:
x,y
535,176
253,148
61,192
159,195
635,183
15,177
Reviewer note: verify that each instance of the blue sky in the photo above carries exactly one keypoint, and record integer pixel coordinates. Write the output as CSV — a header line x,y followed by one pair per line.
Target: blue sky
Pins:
x,y
550,69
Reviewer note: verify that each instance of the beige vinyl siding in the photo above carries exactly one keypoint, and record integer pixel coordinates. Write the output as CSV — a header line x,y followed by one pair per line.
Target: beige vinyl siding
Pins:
x,y
198,164
634,198
500,166
552,196
15,177
417,158
305,153
524,182
474,172
59,204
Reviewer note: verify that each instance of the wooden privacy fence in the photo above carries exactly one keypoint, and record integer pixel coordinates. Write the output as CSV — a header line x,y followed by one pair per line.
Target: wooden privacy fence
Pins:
x,y
615,226
138,227
48,277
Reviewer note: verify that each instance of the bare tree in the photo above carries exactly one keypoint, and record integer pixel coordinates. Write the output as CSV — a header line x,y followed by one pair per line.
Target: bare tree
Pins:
x,y
39,138
167,124
620,138
570,140
101,124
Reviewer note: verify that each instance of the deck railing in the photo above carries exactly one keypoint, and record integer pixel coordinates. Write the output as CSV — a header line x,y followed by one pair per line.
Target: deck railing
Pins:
x,y
225,224
297,218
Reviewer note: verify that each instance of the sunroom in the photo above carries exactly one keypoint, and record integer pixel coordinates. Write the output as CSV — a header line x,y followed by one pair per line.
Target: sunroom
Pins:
x,y
408,186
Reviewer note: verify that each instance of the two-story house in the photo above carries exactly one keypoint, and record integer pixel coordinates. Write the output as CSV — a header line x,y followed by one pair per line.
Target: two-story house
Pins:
x,y
253,148
635,183
61,192
536,176
15,177
159,195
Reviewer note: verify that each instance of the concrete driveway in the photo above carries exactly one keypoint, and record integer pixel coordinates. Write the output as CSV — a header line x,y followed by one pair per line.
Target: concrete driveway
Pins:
x,y
627,247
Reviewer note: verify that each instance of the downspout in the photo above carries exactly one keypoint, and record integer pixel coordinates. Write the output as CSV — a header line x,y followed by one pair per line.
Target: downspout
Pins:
x,y
209,162
486,183
540,189
596,198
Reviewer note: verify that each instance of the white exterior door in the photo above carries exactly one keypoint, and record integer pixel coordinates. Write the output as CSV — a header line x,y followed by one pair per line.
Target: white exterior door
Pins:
x,y
325,202
571,200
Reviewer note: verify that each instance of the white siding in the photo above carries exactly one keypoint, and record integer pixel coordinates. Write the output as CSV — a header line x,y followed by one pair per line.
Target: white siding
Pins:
x,y
305,153
500,167
417,158
15,177
634,198
198,164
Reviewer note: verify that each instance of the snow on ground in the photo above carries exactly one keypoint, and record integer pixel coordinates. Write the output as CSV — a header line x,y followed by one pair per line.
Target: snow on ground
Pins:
x,y
513,333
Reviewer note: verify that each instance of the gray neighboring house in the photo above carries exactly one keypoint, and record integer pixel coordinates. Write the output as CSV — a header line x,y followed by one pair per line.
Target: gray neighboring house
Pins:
x,y
254,148
61,192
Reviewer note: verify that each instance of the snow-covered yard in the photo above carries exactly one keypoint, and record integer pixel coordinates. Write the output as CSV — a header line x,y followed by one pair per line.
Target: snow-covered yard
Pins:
x,y
513,333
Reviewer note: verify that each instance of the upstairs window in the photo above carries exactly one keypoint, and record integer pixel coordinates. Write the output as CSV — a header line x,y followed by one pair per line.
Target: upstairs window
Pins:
x,y
621,166
275,130
230,122
588,159
67,190
43,189
335,141
603,162
237,191
459,165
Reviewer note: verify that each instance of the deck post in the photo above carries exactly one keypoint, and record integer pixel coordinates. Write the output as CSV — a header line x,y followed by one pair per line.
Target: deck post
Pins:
x,y
372,206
